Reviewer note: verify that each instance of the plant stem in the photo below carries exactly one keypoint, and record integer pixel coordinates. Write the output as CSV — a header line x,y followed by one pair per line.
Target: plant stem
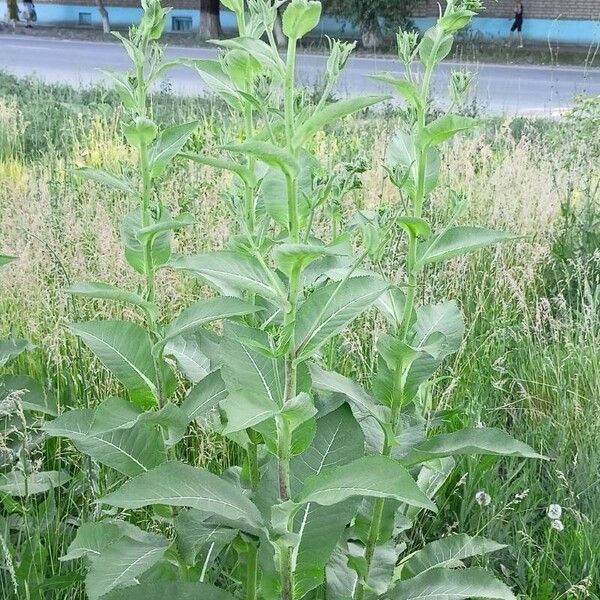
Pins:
x,y
404,328
291,182
251,572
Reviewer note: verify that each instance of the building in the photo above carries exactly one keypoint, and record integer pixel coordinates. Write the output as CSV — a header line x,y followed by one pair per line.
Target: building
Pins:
x,y
565,21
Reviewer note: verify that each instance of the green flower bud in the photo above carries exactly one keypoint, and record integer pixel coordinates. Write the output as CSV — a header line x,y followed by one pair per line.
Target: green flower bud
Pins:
x,y
300,17
459,85
407,44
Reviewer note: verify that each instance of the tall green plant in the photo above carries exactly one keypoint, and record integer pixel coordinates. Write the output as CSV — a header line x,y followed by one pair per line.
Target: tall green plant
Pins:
x,y
335,474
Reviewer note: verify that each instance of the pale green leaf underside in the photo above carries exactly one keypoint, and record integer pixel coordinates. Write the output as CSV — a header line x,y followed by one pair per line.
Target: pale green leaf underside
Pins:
x,y
330,308
447,552
170,590
178,484
457,241
14,483
478,440
446,584
124,348
373,476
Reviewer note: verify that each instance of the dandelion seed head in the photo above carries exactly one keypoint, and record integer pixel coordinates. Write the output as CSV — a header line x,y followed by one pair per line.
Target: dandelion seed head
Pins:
x,y
483,498
558,525
554,512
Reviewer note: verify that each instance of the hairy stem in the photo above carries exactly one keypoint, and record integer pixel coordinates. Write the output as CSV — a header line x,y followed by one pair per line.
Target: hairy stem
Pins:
x,y
252,572
404,328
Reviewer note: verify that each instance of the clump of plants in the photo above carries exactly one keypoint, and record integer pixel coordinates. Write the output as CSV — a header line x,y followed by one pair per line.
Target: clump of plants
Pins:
x,y
334,475
25,514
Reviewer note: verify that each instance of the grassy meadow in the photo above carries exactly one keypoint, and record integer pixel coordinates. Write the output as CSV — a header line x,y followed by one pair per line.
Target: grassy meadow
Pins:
x,y
530,363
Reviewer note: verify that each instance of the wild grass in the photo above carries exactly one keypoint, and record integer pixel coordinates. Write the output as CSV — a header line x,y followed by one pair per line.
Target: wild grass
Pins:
x,y
530,364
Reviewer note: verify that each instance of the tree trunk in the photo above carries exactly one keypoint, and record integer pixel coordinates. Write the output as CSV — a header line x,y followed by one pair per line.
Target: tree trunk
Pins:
x,y
371,35
210,19
13,11
103,16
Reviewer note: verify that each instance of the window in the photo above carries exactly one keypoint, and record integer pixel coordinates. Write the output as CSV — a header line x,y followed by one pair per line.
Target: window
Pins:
x,y
85,18
181,23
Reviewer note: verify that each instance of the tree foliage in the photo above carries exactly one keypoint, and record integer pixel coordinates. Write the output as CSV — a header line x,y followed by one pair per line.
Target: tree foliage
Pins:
x,y
373,17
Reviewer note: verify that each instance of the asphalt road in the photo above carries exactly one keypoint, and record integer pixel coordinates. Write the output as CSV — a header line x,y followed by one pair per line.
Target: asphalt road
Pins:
x,y
501,89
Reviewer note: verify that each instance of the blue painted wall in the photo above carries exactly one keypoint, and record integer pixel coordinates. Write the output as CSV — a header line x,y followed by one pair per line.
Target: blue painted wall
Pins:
x,y
537,30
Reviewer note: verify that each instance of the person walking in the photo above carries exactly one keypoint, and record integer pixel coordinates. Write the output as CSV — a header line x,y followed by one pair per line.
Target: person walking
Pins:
x,y
29,12
517,26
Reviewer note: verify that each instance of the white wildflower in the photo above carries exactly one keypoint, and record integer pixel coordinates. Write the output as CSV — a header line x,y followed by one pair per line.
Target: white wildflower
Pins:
x,y
554,512
483,498
557,524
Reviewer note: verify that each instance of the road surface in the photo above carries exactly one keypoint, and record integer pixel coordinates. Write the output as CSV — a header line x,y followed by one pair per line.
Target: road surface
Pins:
x,y
501,89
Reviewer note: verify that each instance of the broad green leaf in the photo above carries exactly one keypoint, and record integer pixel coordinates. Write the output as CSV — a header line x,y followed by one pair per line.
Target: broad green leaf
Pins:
x,y
242,172
169,143
190,356
105,178
447,584
415,226
366,410
373,476
446,552
123,88
171,419
206,311
298,256
329,309
341,578
133,224
125,349
5,260
211,72
338,441
478,440
267,56
445,318
110,292
15,483
204,396
297,410
177,484
271,155
300,17
430,480
331,113
382,567
173,590
92,538
391,304
112,414
273,190
124,444
195,530
30,393
243,69
142,132
232,273
443,128
245,410
457,241
249,371
178,222
403,87
435,45
402,153
122,562
11,348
